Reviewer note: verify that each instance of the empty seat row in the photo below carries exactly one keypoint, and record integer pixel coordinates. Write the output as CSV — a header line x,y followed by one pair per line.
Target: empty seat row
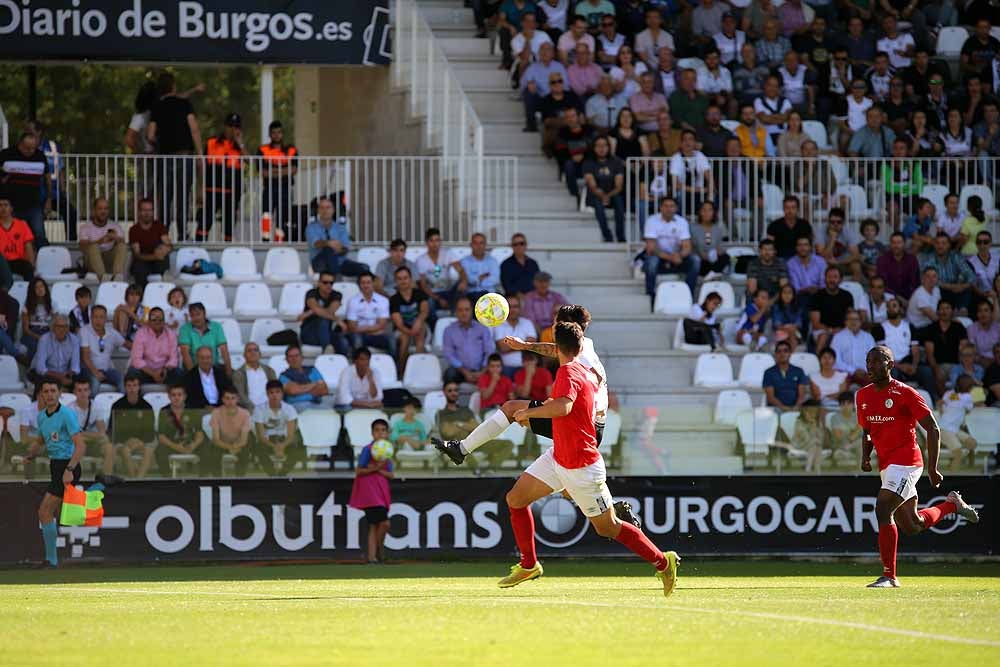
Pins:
x,y
716,370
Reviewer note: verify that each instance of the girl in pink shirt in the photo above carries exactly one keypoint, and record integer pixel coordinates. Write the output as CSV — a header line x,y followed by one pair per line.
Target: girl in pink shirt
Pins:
x,y
371,492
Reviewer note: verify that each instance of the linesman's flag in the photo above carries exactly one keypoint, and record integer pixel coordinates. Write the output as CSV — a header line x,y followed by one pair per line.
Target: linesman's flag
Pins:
x,y
82,508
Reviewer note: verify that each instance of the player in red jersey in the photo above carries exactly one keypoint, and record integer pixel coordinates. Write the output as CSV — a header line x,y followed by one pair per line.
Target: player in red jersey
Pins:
x,y
574,464
888,412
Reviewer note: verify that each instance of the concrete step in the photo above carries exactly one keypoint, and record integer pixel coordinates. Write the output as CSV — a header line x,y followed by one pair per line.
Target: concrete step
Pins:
x,y
636,398
482,74
448,15
457,48
623,333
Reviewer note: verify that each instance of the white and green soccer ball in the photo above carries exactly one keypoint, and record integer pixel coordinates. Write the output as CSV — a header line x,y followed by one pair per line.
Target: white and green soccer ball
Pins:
x,y
382,450
492,309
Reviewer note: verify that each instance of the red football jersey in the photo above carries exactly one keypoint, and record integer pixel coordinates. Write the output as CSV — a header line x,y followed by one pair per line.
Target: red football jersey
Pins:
x,y
574,435
891,417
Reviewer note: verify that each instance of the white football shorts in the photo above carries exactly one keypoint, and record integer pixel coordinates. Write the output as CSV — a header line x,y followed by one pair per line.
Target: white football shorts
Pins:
x,y
588,486
901,480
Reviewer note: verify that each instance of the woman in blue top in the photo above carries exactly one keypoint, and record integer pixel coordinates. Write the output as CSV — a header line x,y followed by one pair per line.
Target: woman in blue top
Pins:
x,y
787,317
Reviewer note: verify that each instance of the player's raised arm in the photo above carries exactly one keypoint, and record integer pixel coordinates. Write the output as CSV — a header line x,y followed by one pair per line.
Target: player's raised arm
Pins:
x,y
929,424
544,349
866,451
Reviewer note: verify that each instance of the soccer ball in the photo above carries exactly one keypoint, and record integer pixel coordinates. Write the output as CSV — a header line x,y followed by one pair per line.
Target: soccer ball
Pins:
x,y
492,309
382,450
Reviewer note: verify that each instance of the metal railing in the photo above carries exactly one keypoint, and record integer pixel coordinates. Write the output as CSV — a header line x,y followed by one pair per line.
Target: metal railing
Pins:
x,y
204,201
749,193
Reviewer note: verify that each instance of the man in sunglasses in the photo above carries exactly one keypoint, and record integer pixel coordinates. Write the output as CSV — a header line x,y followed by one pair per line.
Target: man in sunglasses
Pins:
x,y
536,82
98,342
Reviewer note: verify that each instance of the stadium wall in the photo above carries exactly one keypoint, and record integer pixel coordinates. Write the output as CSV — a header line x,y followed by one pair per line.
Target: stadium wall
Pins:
x,y
309,518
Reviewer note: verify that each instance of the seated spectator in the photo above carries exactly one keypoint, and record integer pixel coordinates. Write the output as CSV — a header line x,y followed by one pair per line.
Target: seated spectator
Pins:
x,y
873,140
691,176
517,326
525,46
766,271
455,422
58,356
8,327
707,238
534,83
809,434
304,385
749,77
665,141
845,432
321,326
942,339
517,272
553,108
788,229
130,425
360,385
409,310
772,109
772,46
368,317
806,270
231,434
791,140
878,78
984,333
829,308
665,73
150,243
901,337
668,249
753,323
647,104
954,405
93,426
329,242
494,387
967,365
98,342
797,84
176,313
628,69
985,265
706,20
852,345
788,316
829,382
730,42
898,268
785,385
36,318
920,228
277,429
715,80
385,272
839,246
532,382
604,176
202,332
575,34
604,105
972,226
687,104
204,381
869,249
649,42
481,269
154,357
878,303
178,431
583,75
712,135
130,315
17,242
252,378
467,345
435,277
949,221
898,109
572,145
954,273
409,432
102,243
755,142
922,309
80,314
539,304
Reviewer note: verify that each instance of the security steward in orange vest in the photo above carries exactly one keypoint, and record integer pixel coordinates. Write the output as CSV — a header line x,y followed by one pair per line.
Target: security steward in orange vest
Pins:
x,y
223,178
278,168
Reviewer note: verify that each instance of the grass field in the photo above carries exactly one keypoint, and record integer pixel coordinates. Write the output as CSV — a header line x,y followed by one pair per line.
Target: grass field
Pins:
x,y
767,613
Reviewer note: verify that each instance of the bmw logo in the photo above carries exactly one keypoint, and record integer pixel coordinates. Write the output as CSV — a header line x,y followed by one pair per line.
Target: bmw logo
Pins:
x,y
558,522
949,523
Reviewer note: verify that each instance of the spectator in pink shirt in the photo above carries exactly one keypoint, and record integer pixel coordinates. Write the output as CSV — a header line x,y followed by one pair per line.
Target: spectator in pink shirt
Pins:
x,y
584,74
154,352
102,243
538,305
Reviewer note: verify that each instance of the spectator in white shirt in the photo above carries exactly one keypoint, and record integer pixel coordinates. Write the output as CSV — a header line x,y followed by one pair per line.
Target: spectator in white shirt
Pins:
x,y
359,385
251,379
691,175
518,327
730,41
526,44
434,272
368,317
900,47
98,342
922,309
852,345
715,80
668,248
950,219
276,424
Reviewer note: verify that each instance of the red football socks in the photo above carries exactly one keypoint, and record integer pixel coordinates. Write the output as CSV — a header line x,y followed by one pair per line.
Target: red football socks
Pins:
x,y
636,541
888,540
523,523
934,514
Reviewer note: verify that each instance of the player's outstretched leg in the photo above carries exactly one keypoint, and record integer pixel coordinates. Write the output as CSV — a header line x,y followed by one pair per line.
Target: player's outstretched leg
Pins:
x,y
526,490
493,426
964,509
608,525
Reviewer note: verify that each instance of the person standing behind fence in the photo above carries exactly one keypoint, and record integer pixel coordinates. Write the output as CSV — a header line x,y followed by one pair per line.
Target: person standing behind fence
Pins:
x,y
278,169
23,173
173,132
223,178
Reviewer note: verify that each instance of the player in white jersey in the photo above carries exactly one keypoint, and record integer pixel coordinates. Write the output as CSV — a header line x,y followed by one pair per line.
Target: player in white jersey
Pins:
x,y
497,423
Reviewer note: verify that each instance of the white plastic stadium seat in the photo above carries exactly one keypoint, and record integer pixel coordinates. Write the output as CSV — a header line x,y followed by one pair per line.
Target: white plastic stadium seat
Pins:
x,y
213,297
983,193
983,425
277,363
729,304
672,298
155,294
935,194
283,265
758,429
950,41
713,370
358,423
965,321
423,373
111,295
807,361
612,429
319,429
786,420
19,292
64,295
752,368
186,257
347,291
17,400
731,125
679,343
386,368
413,252
157,400
253,300
773,201
239,264
237,360
330,366
502,253
234,335
857,201
729,404
50,262
439,327
857,291
293,298
459,253
104,401
372,256
816,131
433,401
264,327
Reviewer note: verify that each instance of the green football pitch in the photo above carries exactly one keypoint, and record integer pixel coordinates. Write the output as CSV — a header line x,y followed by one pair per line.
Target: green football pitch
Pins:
x,y
611,613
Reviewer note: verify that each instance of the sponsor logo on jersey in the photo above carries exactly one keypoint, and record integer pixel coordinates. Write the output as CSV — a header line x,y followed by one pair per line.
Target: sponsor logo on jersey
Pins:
x,y
879,419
